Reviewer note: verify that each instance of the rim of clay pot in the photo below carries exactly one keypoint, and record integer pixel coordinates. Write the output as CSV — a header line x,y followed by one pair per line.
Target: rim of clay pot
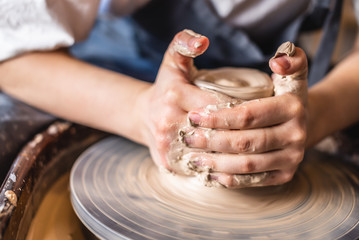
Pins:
x,y
243,83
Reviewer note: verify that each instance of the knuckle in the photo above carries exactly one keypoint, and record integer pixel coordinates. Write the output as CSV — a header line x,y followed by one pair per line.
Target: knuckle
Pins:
x,y
286,176
247,166
172,95
298,136
296,106
296,157
245,117
162,141
202,141
228,181
212,120
241,145
163,126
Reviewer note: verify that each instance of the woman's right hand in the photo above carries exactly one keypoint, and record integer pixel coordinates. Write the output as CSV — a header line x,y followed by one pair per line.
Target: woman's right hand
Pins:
x,y
163,107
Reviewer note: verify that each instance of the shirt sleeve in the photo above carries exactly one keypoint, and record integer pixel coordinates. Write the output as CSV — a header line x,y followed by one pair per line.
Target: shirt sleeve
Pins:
x,y
41,25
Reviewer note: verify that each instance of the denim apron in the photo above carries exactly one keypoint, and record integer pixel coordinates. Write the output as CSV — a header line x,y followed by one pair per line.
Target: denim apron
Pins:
x,y
135,45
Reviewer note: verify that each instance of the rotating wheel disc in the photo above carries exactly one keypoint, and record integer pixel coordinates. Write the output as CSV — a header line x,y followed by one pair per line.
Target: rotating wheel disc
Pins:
x,y
118,193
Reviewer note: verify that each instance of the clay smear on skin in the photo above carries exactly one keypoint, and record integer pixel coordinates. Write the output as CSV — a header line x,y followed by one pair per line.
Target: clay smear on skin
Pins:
x,y
183,48
180,155
295,83
179,149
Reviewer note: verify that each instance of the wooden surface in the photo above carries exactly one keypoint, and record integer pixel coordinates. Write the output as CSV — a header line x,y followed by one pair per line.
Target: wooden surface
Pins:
x,y
48,156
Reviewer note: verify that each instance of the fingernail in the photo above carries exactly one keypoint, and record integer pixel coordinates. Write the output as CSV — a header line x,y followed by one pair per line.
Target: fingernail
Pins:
x,y
197,44
212,177
192,33
197,163
194,42
283,62
287,48
194,118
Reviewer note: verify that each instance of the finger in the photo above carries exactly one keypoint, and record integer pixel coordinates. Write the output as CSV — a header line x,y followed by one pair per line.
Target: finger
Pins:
x,y
290,72
234,181
189,97
252,114
285,65
178,64
244,141
162,137
244,163
184,47
240,181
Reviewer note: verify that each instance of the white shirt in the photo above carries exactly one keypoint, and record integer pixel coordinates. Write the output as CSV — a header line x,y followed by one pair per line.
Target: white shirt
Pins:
x,y
39,25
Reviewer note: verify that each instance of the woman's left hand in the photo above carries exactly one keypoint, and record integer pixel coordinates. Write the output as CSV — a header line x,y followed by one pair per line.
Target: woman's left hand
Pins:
x,y
260,142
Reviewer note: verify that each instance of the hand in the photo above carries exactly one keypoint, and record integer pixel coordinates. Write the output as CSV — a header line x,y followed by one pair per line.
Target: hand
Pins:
x,y
260,142
164,106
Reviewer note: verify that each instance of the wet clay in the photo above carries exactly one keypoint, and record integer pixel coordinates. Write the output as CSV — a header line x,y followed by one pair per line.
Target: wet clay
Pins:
x,y
182,47
55,218
241,83
296,83
232,86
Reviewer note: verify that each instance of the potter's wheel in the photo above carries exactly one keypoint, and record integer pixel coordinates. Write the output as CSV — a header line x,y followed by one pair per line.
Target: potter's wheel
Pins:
x,y
118,193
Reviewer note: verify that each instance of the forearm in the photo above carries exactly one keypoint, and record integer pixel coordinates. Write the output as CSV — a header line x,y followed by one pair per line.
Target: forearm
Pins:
x,y
74,90
333,103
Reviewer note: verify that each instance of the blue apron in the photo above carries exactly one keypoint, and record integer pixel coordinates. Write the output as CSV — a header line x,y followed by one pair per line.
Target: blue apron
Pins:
x,y
135,45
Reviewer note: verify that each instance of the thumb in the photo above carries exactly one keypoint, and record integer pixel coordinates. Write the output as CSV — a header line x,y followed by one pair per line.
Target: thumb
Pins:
x,y
185,46
290,70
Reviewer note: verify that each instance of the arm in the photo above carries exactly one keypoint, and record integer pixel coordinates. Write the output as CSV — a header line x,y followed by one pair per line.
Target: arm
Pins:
x,y
150,114
333,102
74,90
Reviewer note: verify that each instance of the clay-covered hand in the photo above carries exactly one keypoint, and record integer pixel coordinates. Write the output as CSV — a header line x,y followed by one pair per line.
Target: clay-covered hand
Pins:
x,y
164,106
259,142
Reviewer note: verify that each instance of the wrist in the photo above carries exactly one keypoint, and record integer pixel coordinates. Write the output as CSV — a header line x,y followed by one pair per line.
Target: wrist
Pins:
x,y
139,113
316,122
